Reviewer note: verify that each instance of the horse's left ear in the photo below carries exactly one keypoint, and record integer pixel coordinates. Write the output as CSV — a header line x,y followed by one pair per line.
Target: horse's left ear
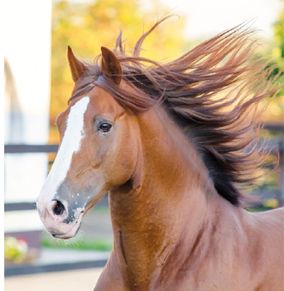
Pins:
x,y
110,65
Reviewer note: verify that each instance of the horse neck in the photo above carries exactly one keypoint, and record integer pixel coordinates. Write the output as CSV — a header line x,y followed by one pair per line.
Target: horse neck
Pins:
x,y
165,203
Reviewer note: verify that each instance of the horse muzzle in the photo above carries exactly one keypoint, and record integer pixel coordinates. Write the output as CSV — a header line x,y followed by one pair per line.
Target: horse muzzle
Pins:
x,y
60,220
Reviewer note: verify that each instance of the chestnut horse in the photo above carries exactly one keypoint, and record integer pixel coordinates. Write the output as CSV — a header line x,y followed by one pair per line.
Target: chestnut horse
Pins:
x,y
172,144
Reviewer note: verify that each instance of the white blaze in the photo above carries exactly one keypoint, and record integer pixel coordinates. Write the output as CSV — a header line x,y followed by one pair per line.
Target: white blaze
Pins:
x,y
70,144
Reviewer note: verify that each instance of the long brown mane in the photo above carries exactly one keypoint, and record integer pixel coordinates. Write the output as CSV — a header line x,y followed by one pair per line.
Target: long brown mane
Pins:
x,y
212,93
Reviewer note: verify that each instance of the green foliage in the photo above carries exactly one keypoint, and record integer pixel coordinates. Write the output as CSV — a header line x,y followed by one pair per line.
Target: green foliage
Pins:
x,y
81,244
276,64
259,209
278,53
279,38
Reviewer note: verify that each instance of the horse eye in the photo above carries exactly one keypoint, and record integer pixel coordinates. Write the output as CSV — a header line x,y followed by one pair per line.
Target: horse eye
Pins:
x,y
104,127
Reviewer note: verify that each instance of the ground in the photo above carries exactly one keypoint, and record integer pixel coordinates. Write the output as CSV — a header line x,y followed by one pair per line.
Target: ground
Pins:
x,y
71,281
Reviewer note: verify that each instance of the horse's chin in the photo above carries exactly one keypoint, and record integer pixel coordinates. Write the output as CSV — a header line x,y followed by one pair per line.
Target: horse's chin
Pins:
x,y
64,233
69,234
75,228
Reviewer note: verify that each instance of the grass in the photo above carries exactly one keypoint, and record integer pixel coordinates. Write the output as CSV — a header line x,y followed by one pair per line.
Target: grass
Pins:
x,y
82,244
258,209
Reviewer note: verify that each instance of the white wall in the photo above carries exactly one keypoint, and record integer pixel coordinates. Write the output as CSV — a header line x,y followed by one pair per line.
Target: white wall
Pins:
x,y
27,41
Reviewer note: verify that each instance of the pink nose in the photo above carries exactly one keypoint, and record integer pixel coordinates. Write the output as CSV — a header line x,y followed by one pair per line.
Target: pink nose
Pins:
x,y
54,215
57,210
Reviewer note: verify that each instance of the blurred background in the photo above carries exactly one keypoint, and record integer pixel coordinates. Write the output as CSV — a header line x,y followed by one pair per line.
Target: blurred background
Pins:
x,y
38,83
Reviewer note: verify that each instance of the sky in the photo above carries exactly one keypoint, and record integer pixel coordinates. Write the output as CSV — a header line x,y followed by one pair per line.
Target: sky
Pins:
x,y
205,18
208,17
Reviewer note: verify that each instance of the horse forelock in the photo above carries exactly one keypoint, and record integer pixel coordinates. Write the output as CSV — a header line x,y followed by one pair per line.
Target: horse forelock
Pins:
x,y
210,92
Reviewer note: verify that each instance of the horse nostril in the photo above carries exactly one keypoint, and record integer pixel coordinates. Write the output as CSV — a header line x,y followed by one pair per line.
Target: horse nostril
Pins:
x,y
58,208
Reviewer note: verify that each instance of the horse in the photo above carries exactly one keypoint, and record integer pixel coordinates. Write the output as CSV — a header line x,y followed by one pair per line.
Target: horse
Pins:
x,y
174,145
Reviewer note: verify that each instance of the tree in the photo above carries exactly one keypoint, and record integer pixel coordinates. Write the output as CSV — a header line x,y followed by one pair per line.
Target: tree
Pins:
x,y
279,38
275,57
278,54
86,27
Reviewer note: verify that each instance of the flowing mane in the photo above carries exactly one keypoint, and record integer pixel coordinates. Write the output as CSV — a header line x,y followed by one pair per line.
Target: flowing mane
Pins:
x,y
212,92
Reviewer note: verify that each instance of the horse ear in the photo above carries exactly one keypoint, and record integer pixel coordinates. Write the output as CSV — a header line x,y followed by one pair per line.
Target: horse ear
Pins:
x,y
77,67
110,65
